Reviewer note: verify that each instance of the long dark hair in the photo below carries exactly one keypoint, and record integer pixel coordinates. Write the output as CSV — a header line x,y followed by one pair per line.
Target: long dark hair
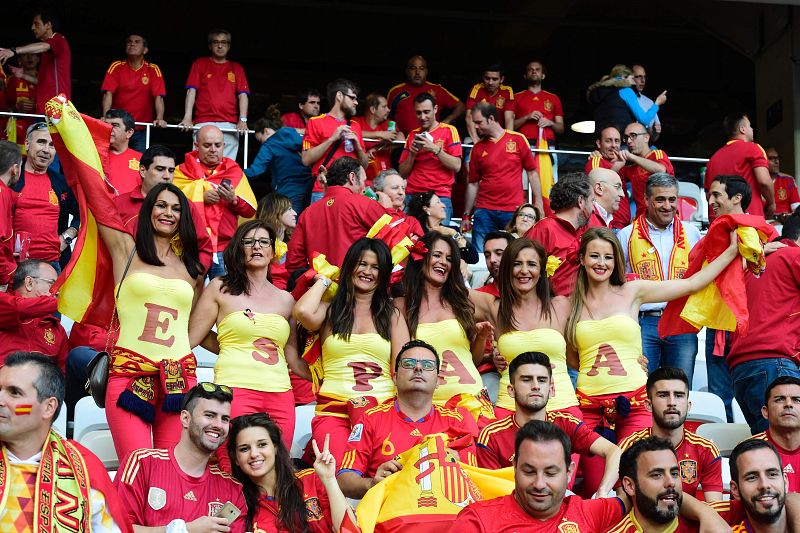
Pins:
x,y
454,292
235,281
578,298
341,312
509,297
417,205
146,235
288,496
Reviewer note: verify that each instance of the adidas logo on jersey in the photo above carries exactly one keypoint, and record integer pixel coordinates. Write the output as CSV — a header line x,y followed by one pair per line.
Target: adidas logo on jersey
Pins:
x,y
189,496
788,469
416,433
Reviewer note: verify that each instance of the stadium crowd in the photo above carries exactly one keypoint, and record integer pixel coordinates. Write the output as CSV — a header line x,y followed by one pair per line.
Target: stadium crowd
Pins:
x,y
350,287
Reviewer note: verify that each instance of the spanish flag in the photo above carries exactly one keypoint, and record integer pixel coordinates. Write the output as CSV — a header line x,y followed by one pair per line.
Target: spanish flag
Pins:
x,y
86,285
545,167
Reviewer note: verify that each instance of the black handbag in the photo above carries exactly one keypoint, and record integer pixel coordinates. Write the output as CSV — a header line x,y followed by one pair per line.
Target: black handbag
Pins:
x,y
97,369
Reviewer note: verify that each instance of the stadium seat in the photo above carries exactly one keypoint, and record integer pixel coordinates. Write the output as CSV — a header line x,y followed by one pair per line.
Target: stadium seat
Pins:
x,y
738,414
725,436
302,429
60,423
706,407
91,430
690,202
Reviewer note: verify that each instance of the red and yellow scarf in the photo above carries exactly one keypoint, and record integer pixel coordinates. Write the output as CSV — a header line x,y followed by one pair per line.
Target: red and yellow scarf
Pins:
x,y
644,257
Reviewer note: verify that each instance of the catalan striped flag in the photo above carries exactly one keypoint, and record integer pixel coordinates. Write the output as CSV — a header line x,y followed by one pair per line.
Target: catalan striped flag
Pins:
x,y
545,168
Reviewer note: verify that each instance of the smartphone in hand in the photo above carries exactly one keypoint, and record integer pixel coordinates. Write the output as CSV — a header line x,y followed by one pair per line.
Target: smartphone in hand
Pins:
x,y
229,512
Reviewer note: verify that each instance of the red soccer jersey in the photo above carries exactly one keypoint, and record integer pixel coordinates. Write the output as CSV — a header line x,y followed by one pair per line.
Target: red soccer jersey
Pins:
x,y
503,100
497,166
637,176
8,264
560,239
785,193
37,213
698,458
155,490
123,170
740,158
496,441
19,92
384,432
293,120
788,459
504,515
381,159
318,130
401,102
428,173
218,88
315,497
54,71
134,90
629,524
548,104
43,334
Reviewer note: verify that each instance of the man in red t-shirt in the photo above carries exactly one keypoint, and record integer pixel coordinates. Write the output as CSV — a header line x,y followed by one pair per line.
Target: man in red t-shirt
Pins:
x,y
136,86
786,196
641,161
608,156
398,425
498,159
374,125
741,156
155,486
492,90
21,96
217,92
431,157
401,97
572,200
307,107
54,68
332,135
10,169
123,161
608,194
538,110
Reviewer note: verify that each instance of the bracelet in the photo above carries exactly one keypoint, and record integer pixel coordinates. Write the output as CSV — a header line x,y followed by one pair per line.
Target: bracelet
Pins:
x,y
439,152
13,50
177,526
326,281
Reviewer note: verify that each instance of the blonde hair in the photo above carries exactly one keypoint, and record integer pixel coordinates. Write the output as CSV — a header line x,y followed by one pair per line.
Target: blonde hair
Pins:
x,y
270,210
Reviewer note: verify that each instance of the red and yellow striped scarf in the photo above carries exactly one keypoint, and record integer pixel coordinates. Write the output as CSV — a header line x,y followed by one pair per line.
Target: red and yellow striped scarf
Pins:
x,y
644,257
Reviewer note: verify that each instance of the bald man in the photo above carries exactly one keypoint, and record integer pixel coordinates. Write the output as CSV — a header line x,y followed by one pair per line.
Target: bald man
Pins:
x,y
608,193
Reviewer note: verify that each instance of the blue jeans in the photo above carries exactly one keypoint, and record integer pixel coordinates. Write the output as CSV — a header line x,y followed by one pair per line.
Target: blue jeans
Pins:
x,y
78,360
485,221
448,206
315,196
676,350
217,267
719,377
750,382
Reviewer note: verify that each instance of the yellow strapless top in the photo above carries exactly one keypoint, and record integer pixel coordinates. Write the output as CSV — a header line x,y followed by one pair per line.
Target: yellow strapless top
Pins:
x,y
251,352
154,316
457,374
358,367
548,341
609,351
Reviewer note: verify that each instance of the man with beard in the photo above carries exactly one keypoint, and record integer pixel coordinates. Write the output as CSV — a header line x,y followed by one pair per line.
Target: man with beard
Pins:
x,y
492,91
782,411
651,478
538,111
572,201
607,155
608,195
176,490
531,378
497,161
332,135
656,247
758,482
374,125
641,161
699,459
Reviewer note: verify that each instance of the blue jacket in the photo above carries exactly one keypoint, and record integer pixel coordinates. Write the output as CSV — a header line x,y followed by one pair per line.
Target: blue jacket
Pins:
x,y
280,155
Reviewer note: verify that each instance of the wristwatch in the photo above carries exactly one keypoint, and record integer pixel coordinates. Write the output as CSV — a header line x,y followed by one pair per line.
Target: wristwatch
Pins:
x,y
67,239
326,281
242,119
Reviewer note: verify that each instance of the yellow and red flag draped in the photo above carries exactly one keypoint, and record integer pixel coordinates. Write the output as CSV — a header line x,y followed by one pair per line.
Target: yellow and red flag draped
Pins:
x,y
722,304
545,168
86,284
430,490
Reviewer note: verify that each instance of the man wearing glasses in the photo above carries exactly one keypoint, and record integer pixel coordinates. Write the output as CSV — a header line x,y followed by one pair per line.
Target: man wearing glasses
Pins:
x,y
218,93
640,162
608,194
639,81
332,135
395,426
176,487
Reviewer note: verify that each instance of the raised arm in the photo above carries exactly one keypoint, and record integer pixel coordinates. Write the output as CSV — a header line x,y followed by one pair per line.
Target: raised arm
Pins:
x,y
310,310
400,334
325,467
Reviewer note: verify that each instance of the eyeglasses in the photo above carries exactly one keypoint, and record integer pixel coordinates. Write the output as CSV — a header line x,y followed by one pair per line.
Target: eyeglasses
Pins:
x,y
633,136
409,363
49,281
640,77
223,43
251,243
617,186
353,97
527,216
774,158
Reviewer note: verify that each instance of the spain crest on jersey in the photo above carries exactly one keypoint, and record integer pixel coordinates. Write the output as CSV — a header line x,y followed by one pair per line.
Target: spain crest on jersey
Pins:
x,y
500,102
511,147
231,77
145,80
688,471
313,510
781,193
569,527
49,336
548,105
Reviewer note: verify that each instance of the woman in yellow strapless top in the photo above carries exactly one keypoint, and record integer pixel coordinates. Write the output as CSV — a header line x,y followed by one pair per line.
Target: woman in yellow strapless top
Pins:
x,y
604,330
360,332
437,308
255,337
152,365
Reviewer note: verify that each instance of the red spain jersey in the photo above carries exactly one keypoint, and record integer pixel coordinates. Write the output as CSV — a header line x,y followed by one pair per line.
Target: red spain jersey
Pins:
x,y
381,159
8,264
740,158
629,524
503,100
785,193
496,441
155,490
560,239
18,92
315,497
318,130
637,176
622,217
698,459
218,88
43,334
497,166
37,212
384,432
429,174
54,71
504,515
401,103
545,102
732,511
788,459
293,120
123,171
134,90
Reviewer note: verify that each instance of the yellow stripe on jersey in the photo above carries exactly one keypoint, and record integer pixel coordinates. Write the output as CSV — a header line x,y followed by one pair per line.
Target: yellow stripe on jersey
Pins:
x,y
760,436
509,89
113,66
495,427
659,154
701,441
453,132
623,526
156,70
135,459
348,460
633,437
557,414
522,138
475,88
381,407
303,473
450,413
